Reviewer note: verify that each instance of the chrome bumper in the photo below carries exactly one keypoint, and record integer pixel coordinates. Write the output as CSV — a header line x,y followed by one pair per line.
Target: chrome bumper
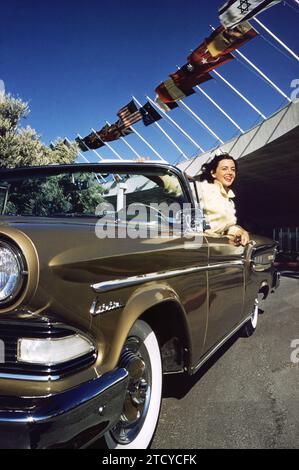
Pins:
x,y
73,418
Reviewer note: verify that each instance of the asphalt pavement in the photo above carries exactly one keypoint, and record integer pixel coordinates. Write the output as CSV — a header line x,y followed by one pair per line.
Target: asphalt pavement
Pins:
x,y
248,395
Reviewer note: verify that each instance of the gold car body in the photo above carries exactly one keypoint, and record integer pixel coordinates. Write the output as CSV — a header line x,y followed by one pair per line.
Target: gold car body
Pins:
x,y
194,291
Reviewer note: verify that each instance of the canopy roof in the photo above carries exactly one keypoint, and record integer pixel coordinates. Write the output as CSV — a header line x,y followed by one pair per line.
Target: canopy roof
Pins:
x,y
268,180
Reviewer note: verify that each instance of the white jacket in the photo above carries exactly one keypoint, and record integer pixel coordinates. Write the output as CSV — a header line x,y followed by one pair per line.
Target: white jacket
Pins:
x,y
219,208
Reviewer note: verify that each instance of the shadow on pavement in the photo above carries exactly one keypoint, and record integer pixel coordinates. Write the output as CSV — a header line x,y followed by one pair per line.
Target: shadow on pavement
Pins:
x,y
177,386
290,274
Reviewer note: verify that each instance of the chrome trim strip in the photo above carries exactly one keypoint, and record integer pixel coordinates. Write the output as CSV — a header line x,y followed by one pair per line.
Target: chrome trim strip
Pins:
x,y
158,276
218,346
227,264
40,378
35,378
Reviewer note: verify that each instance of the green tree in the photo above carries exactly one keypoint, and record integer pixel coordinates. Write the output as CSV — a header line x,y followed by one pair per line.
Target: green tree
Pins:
x,y
21,146
48,196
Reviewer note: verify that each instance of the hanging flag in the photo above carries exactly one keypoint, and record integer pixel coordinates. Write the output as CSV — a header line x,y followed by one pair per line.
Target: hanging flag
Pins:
x,y
204,62
114,131
129,114
222,41
165,107
67,143
234,12
188,76
169,92
149,114
90,142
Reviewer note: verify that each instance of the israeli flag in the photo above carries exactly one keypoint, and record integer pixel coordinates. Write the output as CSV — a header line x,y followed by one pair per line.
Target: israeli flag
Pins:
x,y
234,12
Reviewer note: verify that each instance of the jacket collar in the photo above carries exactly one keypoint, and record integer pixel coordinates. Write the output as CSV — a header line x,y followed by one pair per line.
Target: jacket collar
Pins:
x,y
230,194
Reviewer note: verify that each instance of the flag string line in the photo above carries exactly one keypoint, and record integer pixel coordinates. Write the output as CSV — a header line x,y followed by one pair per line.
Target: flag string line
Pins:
x,y
292,7
279,49
241,61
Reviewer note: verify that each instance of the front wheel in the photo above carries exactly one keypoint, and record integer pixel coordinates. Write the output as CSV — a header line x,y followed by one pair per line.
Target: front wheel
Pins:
x,y
142,359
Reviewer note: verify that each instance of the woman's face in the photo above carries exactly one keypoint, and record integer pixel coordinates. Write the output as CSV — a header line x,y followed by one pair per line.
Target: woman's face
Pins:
x,y
225,172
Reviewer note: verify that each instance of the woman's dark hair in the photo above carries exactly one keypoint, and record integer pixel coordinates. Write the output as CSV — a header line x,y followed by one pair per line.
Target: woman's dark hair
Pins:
x,y
210,167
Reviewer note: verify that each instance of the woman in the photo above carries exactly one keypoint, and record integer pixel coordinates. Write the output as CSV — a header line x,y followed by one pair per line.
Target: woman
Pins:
x,y
217,178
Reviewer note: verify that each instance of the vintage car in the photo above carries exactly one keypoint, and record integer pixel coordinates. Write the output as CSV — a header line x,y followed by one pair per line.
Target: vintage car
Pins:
x,y
108,283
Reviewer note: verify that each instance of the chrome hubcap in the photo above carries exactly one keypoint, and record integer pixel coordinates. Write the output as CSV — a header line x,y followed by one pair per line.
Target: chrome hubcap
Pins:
x,y
134,358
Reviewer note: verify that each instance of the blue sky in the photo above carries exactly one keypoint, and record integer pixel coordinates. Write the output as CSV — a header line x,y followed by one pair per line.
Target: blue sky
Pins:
x,y
78,62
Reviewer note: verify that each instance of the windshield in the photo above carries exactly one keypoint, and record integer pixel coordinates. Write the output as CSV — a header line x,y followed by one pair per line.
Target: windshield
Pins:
x,y
79,194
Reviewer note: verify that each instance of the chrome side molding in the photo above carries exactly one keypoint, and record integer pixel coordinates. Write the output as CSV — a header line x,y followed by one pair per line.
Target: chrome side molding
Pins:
x,y
158,276
210,353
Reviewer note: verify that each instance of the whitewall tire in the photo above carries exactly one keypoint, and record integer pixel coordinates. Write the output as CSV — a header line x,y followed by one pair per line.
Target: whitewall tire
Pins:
x,y
250,326
137,424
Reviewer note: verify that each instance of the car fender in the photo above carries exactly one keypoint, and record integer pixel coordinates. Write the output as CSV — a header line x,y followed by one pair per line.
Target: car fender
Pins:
x,y
141,300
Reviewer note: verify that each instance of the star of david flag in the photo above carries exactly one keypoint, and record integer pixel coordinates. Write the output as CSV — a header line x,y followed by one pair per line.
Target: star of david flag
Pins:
x,y
234,12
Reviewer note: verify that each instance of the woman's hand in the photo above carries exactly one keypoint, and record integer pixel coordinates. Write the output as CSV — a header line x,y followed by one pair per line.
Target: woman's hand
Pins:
x,y
242,238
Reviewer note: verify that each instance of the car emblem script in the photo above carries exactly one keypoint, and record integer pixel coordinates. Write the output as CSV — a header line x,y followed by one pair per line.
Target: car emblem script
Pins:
x,y
99,308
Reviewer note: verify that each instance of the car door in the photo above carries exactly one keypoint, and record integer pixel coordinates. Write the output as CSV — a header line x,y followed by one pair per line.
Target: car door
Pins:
x,y
225,288
225,285
180,257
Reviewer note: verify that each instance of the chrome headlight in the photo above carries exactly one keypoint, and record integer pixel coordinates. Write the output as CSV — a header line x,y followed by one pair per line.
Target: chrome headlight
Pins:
x,y
11,272
52,351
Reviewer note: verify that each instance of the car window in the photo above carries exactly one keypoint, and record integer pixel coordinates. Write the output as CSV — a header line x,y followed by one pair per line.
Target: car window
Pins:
x,y
80,194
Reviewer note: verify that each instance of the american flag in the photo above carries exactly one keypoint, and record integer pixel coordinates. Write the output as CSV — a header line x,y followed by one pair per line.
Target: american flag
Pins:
x,y
114,131
129,114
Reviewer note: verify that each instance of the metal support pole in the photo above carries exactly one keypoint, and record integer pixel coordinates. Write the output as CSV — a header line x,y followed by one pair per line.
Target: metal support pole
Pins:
x,y
239,94
165,133
149,145
172,141
220,109
108,145
276,38
175,124
87,161
264,76
93,150
202,122
127,143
